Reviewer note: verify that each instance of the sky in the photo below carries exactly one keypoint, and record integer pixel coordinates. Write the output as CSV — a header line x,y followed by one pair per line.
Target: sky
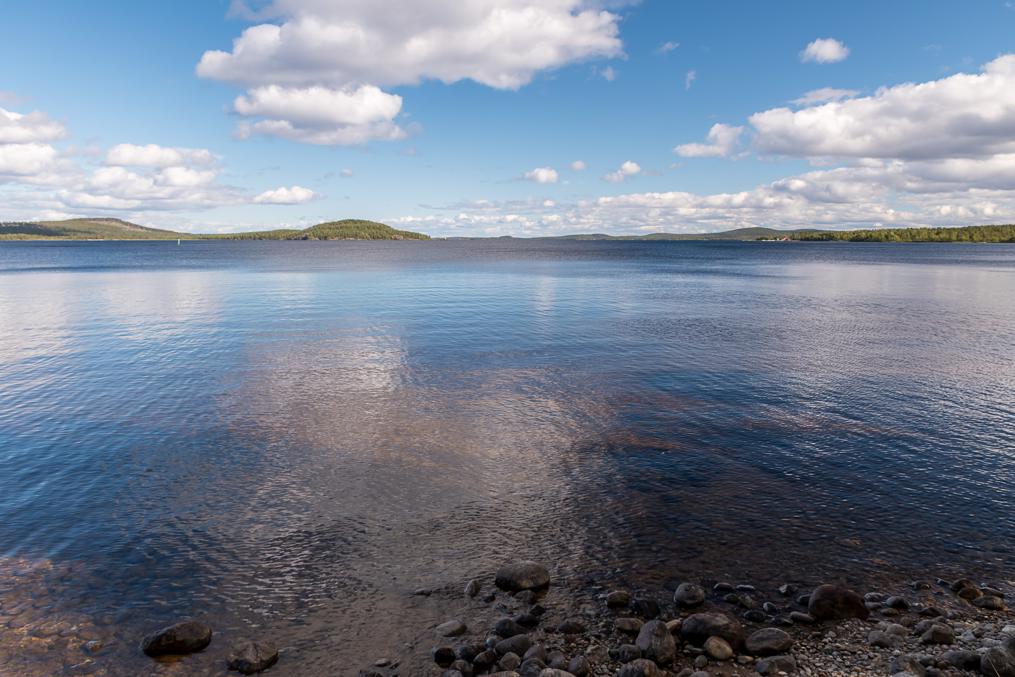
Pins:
x,y
509,117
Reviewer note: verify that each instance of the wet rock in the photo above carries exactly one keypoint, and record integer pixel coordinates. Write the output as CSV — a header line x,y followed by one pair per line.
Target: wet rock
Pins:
x,y
531,667
962,659
803,600
484,659
645,607
630,626
525,596
472,588
468,652
989,602
641,667
788,590
618,599
768,642
181,638
537,651
597,654
579,666
523,575
689,595
801,618
674,626
997,662
718,648
755,616
773,665
930,611
722,587
527,620
897,602
656,643
625,653
882,639
920,585
452,628
518,645
93,646
906,663
553,672
831,602
556,659
571,626
509,661
507,627
699,627
770,608
463,667
251,657
938,633
443,655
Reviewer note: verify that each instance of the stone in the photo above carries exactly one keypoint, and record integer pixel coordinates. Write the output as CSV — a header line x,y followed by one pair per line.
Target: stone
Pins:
x,y
579,666
452,628
552,672
773,665
509,661
645,607
908,664
630,626
525,596
527,620
722,587
571,626
689,595
882,639
531,667
962,659
718,648
801,618
537,651
755,616
468,652
640,667
938,633
674,626
484,659
770,608
618,599
768,642
472,588
523,575
251,657
181,638
897,602
656,643
997,662
625,653
597,654
443,655
989,602
556,659
507,627
462,667
699,627
957,585
788,590
518,645
832,602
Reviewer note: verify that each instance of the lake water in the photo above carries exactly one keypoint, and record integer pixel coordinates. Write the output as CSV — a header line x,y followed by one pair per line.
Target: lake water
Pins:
x,y
291,437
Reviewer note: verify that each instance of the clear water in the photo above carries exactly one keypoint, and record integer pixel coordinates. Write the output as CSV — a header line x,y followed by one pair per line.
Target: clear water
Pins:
x,y
292,437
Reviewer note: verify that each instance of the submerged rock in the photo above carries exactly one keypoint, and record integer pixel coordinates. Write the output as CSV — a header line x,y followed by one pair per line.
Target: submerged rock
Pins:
x,y
689,595
251,657
832,602
523,575
656,643
182,638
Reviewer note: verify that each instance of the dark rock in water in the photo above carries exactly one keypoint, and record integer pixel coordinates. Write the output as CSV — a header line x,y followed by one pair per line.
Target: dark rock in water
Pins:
x,y
509,661
955,586
630,626
746,588
618,599
788,589
524,575
443,655
699,627
784,621
907,663
518,644
527,620
989,602
689,595
641,667
801,618
773,665
722,587
998,662
768,642
472,588
938,634
656,643
451,628
770,608
537,610
252,657
921,585
571,626
993,592
485,659
645,607
831,602
507,627
803,600
969,593
625,653
181,638
755,616
897,602
962,659
579,666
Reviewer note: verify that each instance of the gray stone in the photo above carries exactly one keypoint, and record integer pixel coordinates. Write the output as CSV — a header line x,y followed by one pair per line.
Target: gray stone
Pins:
x,y
507,627
645,607
699,627
938,634
768,642
524,575
443,655
618,599
625,653
537,651
250,657
718,648
963,659
472,588
181,638
831,602
571,626
656,643
630,626
801,618
989,602
689,595
906,663
773,665
641,667
509,661
883,639
579,666
531,667
518,645
553,672
452,628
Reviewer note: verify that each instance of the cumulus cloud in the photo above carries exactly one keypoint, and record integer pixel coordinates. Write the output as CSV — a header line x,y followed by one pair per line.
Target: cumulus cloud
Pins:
x,y
824,50
625,170
579,166
609,73
689,78
667,47
293,195
542,175
823,95
321,56
720,142
26,159
152,155
28,127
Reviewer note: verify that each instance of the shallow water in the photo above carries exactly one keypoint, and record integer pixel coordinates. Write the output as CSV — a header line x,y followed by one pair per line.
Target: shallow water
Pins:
x,y
291,437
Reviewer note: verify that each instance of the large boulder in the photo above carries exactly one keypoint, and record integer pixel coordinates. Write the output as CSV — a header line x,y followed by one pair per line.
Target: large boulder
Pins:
x,y
524,575
768,642
656,642
999,661
832,602
181,638
697,628
251,657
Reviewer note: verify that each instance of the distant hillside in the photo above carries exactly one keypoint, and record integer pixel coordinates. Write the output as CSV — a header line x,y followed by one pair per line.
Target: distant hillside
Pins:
x,y
116,229
1004,233
738,234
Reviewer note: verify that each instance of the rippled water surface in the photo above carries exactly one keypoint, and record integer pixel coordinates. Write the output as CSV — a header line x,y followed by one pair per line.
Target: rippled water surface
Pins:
x,y
292,437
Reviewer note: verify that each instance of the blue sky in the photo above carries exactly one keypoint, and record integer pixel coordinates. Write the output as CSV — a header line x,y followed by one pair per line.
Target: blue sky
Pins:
x,y
464,118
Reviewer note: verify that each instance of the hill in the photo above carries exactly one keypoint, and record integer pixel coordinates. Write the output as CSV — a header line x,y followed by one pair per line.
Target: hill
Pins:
x,y
737,234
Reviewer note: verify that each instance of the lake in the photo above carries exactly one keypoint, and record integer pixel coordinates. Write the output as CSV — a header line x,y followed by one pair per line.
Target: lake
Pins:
x,y
294,436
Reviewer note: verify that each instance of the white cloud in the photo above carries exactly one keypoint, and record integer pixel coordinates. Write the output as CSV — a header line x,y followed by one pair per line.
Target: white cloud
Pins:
x,y
542,175
608,74
323,57
823,95
26,159
28,127
721,141
667,47
152,155
293,195
824,50
626,170
346,173
964,115
579,166
689,78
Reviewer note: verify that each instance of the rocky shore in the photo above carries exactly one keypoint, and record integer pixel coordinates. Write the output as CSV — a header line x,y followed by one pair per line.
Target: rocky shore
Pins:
x,y
518,623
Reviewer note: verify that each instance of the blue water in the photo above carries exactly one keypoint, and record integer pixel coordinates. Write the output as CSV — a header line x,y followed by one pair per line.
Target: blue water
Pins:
x,y
295,435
